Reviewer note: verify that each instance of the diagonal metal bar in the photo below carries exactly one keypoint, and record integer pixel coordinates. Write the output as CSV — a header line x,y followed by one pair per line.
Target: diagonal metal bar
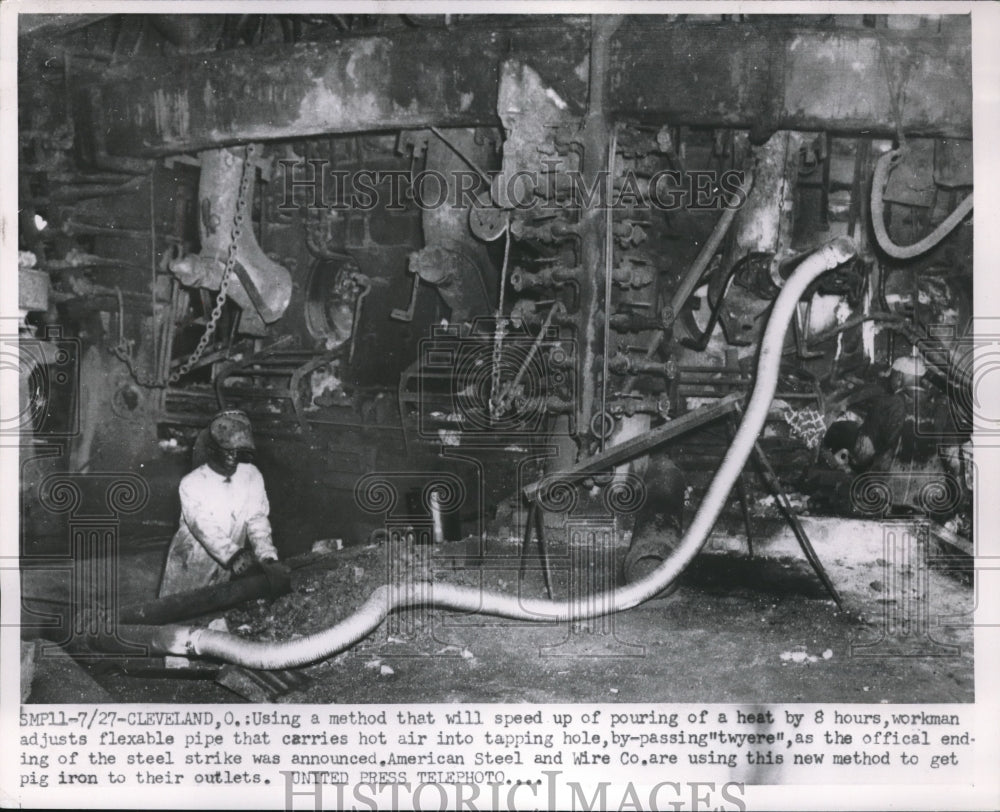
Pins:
x,y
773,484
641,445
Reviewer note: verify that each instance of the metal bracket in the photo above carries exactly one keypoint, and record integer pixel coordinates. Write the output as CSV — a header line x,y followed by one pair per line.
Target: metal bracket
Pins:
x,y
407,315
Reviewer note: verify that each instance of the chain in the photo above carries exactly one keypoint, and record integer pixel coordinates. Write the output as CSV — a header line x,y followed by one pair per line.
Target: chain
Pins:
x,y
123,351
227,274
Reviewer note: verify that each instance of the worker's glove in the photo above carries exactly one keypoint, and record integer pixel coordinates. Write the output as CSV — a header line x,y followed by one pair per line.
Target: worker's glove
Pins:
x,y
240,563
278,576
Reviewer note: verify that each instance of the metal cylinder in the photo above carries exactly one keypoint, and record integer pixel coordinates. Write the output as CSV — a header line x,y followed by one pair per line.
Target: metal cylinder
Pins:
x,y
446,525
658,523
183,605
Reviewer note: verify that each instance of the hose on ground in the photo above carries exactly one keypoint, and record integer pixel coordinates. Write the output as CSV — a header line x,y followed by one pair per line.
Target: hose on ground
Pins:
x,y
388,598
882,168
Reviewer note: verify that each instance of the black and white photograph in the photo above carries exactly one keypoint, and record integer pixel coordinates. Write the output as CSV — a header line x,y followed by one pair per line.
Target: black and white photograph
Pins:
x,y
531,405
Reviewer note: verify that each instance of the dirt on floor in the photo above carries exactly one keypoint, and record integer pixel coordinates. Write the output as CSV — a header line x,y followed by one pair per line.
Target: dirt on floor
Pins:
x,y
738,629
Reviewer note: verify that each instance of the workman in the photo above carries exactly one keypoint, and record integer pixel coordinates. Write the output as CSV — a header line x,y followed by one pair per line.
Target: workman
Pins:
x,y
223,505
888,429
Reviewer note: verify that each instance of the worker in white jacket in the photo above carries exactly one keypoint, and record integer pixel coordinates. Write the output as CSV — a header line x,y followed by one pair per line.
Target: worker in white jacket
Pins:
x,y
223,505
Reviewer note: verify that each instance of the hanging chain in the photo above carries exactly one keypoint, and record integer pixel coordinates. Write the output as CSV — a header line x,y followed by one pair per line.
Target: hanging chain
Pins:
x,y
227,274
123,350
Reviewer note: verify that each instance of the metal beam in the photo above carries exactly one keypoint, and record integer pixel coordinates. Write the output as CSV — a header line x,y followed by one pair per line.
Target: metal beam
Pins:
x,y
769,77
639,446
410,79
746,75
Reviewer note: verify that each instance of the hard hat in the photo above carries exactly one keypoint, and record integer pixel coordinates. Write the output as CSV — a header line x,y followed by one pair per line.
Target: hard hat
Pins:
x,y
232,431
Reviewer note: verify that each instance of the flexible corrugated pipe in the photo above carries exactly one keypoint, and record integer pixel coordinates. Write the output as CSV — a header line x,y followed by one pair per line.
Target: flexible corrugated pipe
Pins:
x,y
881,177
268,654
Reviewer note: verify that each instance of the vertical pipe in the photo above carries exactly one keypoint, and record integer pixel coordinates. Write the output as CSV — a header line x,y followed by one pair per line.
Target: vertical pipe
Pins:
x,y
596,141
152,268
609,249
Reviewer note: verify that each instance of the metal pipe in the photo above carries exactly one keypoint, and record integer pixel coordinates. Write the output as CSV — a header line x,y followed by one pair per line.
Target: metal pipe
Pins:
x,y
152,269
596,141
659,521
385,599
555,276
885,163
622,364
697,269
693,276
85,191
609,251
632,322
183,605
543,330
169,328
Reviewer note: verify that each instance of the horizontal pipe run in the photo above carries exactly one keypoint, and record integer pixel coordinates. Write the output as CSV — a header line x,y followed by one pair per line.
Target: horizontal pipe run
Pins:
x,y
184,605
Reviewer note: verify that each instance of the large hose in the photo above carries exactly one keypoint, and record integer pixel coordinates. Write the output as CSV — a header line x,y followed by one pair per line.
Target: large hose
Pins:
x,y
385,599
885,163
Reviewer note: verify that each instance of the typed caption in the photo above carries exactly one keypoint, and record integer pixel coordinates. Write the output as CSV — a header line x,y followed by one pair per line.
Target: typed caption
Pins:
x,y
515,756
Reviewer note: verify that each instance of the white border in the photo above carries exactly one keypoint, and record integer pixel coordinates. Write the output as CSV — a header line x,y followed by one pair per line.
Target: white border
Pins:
x,y
985,794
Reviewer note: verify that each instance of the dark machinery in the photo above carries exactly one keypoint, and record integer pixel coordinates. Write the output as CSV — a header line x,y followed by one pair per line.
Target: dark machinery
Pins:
x,y
560,236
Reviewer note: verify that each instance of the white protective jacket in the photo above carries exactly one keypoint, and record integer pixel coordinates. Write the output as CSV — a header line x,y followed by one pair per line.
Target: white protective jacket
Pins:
x,y
218,516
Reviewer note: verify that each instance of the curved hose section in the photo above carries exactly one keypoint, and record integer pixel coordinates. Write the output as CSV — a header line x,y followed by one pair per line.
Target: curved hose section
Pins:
x,y
385,599
885,163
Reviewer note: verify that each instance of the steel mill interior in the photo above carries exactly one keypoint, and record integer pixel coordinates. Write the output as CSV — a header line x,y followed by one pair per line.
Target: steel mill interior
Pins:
x,y
563,358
